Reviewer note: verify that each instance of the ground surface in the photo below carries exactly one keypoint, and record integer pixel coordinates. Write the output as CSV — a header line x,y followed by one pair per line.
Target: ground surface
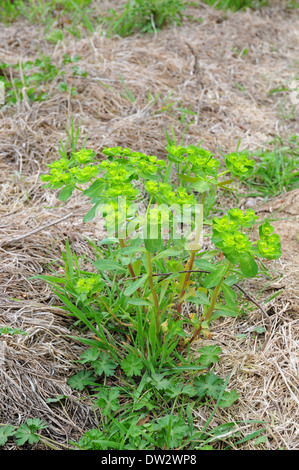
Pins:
x,y
202,65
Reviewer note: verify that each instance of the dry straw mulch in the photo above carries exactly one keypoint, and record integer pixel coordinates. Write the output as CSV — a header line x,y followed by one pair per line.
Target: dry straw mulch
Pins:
x,y
202,65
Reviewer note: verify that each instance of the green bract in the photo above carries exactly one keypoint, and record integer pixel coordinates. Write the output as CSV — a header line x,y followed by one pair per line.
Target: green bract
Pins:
x,y
236,245
265,230
244,220
269,245
84,155
237,240
224,224
239,164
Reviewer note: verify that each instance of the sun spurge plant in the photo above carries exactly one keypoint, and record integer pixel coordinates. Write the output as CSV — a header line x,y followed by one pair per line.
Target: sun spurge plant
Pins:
x,y
159,225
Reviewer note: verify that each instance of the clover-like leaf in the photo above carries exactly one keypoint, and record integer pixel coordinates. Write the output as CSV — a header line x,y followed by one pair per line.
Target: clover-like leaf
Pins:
x,y
159,382
90,355
5,432
228,398
170,429
107,400
132,365
27,432
80,380
104,365
209,385
209,355
94,439
180,389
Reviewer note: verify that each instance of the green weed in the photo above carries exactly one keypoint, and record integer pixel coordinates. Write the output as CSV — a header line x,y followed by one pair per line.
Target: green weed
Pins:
x,y
276,171
32,80
133,301
145,16
236,4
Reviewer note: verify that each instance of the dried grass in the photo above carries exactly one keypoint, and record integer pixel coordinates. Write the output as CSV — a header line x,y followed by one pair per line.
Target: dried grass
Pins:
x,y
199,64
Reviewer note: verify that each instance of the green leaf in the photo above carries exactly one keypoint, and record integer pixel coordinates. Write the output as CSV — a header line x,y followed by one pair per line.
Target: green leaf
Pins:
x,y
225,311
170,431
66,193
108,265
201,186
56,399
138,302
200,299
180,389
80,380
208,384
205,265
135,245
209,355
168,253
90,355
159,382
189,179
135,285
229,294
95,189
91,213
132,365
248,265
27,432
213,279
104,365
5,432
228,398
231,254
6,330
153,244
108,400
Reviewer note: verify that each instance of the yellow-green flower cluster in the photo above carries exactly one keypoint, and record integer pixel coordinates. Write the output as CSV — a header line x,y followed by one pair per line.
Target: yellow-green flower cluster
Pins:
x,y
239,164
117,177
77,169
183,197
244,220
86,285
58,174
144,165
239,241
166,194
83,175
84,156
177,153
201,160
226,234
125,189
269,245
224,224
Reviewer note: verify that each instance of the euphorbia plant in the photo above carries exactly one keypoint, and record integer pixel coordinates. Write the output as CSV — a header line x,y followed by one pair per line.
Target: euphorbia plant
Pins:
x,y
158,254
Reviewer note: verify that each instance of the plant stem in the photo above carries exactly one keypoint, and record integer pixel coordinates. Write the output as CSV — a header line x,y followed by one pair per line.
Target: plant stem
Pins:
x,y
130,267
153,290
122,244
211,307
186,280
189,265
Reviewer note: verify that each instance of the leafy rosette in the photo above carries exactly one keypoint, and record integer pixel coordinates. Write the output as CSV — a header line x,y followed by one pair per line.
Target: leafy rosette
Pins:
x,y
269,245
239,164
243,220
236,246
